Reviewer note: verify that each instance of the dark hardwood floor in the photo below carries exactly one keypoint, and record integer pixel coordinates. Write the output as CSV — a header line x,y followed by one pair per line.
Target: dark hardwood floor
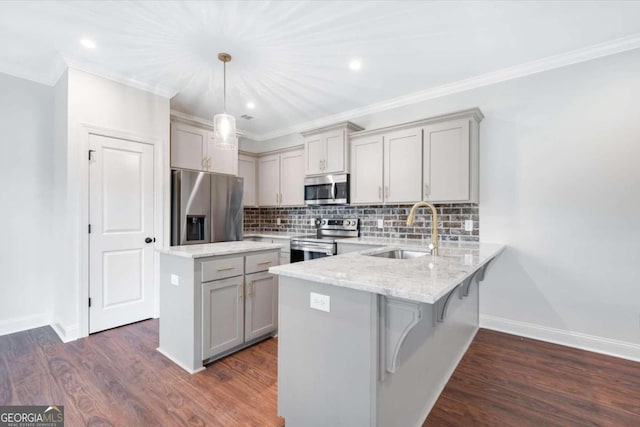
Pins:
x,y
116,378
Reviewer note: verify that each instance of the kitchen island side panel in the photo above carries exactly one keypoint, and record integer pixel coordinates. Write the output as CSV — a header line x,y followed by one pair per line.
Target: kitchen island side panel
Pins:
x,y
180,322
327,361
427,359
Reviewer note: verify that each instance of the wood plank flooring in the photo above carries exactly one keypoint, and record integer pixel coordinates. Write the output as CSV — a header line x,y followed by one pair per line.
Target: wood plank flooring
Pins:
x,y
116,378
506,380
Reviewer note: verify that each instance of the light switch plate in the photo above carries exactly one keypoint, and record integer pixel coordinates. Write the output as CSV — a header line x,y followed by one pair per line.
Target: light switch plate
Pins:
x,y
380,223
320,302
468,225
175,280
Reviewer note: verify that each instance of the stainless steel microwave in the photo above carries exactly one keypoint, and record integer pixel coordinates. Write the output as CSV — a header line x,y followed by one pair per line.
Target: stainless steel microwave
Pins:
x,y
327,190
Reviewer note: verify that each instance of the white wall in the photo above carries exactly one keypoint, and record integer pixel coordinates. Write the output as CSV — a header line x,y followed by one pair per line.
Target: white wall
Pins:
x,y
98,102
559,185
26,127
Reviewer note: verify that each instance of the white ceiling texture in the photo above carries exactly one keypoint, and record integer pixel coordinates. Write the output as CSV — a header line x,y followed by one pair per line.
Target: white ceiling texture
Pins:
x,y
291,58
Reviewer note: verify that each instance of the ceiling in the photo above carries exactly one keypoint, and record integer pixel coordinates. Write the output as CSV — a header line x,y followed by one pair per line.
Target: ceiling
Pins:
x,y
291,58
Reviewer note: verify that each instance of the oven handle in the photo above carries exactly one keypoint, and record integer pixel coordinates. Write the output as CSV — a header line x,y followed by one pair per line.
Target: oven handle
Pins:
x,y
310,248
333,190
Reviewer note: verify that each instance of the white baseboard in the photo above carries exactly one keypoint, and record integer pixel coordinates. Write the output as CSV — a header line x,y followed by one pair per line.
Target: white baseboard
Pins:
x,y
66,333
18,324
179,363
622,349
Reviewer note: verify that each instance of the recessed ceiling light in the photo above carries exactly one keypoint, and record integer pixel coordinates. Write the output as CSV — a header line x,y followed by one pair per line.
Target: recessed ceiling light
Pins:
x,y
355,64
88,43
251,105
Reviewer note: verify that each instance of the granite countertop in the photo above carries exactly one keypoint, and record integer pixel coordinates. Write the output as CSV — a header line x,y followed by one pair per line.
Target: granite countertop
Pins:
x,y
218,249
275,234
424,279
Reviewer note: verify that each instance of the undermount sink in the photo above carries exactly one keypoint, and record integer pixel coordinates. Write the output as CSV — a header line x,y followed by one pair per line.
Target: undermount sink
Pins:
x,y
400,254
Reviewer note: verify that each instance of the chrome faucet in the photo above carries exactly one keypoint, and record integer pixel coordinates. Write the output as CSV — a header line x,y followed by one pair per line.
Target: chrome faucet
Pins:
x,y
434,223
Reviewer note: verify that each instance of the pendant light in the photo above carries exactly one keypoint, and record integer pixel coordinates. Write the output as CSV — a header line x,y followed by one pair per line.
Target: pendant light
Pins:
x,y
224,125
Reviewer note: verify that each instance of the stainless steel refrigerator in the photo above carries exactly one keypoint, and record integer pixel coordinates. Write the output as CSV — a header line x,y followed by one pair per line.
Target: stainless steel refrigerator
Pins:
x,y
205,208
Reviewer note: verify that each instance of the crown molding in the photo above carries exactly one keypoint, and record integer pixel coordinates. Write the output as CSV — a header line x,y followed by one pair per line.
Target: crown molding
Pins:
x,y
199,121
25,73
588,53
156,89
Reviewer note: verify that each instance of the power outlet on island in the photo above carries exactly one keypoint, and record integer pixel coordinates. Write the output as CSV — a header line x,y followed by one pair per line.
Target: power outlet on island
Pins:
x,y
468,225
380,223
320,302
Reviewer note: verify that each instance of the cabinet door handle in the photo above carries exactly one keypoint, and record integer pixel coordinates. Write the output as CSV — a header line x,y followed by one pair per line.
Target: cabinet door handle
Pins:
x,y
241,291
209,162
204,162
380,192
226,268
265,262
427,191
386,191
251,288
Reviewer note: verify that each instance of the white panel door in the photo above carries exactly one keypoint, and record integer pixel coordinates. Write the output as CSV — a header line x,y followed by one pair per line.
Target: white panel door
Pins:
x,y
219,160
367,170
247,170
446,161
188,147
334,142
314,155
403,166
292,178
269,180
121,174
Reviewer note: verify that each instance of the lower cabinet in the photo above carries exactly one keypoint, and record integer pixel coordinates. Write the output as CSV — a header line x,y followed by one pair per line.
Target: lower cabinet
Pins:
x,y
222,315
261,305
238,310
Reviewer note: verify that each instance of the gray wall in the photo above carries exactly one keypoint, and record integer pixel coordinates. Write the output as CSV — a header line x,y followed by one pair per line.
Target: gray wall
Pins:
x,y
26,171
559,185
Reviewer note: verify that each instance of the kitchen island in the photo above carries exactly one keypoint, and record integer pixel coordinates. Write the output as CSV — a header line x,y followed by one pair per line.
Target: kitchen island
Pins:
x,y
368,340
215,299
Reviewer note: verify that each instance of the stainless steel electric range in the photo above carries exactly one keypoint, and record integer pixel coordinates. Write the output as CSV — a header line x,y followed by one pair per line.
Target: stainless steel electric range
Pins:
x,y
328,232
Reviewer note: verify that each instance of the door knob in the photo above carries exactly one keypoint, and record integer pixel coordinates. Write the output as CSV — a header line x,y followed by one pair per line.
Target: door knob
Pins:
x,y
149,240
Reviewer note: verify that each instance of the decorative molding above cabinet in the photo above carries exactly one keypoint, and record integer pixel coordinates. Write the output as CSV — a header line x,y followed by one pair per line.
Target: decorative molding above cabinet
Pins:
x,y
326,149
435,159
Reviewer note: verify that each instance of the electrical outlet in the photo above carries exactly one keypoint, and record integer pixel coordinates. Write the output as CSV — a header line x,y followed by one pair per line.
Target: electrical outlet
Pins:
x,y
320,302
175,280
278,222
380,223
468,225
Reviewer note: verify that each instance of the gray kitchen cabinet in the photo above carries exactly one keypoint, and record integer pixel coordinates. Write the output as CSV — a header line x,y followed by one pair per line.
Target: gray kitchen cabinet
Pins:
x,y
326,149
261,305
223,315
238,310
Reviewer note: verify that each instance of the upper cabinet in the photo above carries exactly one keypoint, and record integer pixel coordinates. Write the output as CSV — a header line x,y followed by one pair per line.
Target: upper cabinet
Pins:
x,y
434,159
450,162
247,170
281,179
188,146
193,148
326,149
387,168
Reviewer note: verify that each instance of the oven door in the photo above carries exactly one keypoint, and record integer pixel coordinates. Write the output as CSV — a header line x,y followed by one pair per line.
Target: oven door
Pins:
x,y
305,251
327,190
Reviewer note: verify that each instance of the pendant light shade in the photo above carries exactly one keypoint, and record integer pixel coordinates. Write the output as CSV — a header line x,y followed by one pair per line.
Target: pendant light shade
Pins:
x,y
224,125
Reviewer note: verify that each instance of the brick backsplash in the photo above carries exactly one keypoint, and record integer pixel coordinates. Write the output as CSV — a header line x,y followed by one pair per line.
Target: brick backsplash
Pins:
x,y
451,219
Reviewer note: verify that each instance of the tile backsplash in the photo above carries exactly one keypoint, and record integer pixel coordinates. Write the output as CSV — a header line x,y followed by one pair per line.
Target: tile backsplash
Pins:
x,y
451,219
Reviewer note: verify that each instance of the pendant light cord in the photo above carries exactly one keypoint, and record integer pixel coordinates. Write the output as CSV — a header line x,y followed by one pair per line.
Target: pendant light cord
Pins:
x,y
224,73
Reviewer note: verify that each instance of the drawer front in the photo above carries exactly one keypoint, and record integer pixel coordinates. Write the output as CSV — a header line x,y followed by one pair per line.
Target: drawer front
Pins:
x,y
222,268
261,262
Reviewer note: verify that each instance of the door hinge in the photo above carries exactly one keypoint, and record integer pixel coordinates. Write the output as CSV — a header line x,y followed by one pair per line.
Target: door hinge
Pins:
x,y
91,151
89,228
89,302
